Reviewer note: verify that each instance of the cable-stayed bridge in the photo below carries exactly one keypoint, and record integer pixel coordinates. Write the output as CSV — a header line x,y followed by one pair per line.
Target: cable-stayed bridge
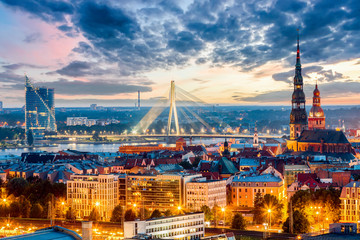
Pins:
x,y
185,115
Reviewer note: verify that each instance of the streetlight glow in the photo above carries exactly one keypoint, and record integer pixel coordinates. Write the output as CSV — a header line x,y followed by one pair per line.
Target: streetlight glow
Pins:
x,y
97,204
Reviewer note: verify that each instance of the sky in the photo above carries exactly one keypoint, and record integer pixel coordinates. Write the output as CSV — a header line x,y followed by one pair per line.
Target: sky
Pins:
x,y
227,52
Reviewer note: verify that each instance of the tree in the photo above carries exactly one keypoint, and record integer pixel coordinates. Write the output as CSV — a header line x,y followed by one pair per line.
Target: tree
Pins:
x,y
116,215
17,186
156,214
215,211
130,215
4,210
94,215
207,212
300,225
258,211
238,222
168,213
70,214
25,207
36,211
15,209
30,137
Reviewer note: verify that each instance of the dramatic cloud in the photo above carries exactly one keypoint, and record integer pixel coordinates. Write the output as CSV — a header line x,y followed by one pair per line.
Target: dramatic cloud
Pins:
x,y
131,39
80,68
48,10
322,75
331,89
95,87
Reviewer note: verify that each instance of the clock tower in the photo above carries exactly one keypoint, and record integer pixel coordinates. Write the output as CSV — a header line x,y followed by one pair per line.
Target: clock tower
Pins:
x,y
298,116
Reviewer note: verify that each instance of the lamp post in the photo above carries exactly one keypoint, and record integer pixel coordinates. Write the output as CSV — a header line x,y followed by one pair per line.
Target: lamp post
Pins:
x,y
317,213
269,211
223,210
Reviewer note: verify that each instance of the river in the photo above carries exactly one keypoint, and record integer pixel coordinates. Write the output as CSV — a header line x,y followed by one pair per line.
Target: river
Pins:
x,y
91,147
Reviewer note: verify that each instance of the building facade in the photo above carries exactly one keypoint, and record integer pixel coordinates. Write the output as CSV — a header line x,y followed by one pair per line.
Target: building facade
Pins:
x,y
350,203
88,192
39,109
162,192
316,114
182,227
200,192
244,188
152,192
79,121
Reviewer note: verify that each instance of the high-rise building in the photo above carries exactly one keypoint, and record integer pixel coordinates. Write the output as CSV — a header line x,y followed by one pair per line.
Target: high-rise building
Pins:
x,y
298,117
39,109
316,114
1,106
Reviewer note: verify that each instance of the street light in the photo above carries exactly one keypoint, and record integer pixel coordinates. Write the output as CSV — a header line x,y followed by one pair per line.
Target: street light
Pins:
x,y
223,210
269,211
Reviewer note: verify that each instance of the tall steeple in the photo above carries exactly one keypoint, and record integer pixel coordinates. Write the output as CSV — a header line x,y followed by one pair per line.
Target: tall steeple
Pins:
x,y
298,117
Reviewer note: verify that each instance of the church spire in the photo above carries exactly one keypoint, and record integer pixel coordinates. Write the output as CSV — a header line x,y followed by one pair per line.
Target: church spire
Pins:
x,y
298,116
298,64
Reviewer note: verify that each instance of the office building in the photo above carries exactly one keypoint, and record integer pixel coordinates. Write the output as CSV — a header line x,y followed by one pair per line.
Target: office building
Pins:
x,y
1,106
39,109
162,192
200,192
86,192
182,227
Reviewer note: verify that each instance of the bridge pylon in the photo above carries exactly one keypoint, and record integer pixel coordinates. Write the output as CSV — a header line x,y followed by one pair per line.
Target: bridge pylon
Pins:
x,y
173,110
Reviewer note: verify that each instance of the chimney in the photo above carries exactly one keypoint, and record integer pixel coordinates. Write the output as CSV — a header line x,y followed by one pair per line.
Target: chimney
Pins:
x,y
87,230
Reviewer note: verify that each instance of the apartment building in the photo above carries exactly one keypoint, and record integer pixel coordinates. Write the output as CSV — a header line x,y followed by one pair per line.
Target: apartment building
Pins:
x,y
181,227
86,192
350,203
200,192
244,188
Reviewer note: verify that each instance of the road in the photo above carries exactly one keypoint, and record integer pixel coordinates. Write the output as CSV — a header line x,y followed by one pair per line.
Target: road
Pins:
x,y
256,234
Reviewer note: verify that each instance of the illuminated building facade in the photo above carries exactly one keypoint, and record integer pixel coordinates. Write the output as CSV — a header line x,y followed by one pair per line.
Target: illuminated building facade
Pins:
x,y
183,227
350,203
162,192
39,109
180,144
200,192
244,188
298,116
86,192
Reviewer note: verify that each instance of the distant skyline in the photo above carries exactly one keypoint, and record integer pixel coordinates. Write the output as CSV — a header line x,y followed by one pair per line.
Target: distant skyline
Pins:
x,y
224,52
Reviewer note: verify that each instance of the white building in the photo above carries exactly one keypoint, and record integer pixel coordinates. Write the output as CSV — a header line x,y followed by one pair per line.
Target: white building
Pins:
x,y
75,121
86,192
182,227
79,121
200,192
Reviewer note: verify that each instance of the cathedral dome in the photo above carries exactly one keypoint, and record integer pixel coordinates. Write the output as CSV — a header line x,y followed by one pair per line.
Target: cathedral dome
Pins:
x,y
316,111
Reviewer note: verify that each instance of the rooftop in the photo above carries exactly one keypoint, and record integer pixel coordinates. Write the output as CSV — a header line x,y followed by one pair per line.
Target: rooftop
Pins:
x,y
258,178
55,232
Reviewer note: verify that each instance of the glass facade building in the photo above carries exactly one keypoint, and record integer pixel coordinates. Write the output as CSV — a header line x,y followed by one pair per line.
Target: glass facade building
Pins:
x,y
39,109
